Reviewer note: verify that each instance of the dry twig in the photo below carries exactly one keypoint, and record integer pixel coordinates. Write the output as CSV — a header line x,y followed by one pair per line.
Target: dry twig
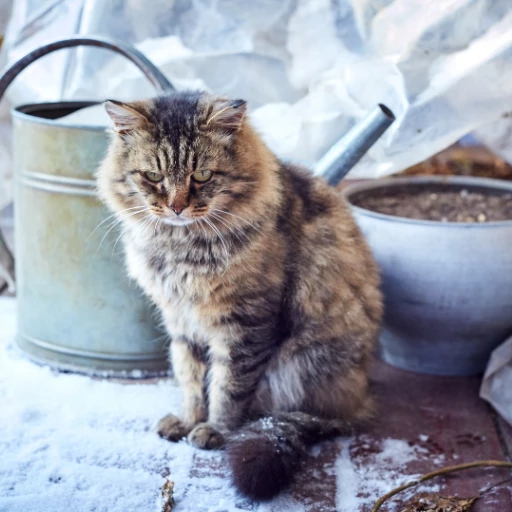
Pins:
x,y
167,496
440,472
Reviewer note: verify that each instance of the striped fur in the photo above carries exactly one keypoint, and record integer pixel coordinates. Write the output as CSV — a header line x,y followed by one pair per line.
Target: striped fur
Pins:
x,y
266,286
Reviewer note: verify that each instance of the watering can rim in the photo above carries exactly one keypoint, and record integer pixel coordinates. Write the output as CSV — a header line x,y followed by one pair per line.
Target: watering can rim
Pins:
x,y
26,113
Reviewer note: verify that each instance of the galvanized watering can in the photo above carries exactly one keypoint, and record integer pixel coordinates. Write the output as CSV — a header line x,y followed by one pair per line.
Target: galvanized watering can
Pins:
x,y
76,308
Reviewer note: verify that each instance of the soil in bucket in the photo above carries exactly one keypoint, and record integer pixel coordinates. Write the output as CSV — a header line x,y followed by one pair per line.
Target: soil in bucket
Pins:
x,y
439,203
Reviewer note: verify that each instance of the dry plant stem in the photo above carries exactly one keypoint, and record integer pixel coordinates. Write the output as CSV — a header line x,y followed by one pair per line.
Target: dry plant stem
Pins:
x,y
494,486
168,496
440,472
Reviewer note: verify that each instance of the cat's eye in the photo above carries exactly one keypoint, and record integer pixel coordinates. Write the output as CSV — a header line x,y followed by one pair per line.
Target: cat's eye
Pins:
x,y
155,177
202,176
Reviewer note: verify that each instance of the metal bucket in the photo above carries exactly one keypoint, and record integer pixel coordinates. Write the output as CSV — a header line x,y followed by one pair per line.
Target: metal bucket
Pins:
x,y
76,307
447,286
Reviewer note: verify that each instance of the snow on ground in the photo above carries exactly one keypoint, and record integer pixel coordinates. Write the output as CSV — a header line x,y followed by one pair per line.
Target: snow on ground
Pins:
x,y
72,443
360,485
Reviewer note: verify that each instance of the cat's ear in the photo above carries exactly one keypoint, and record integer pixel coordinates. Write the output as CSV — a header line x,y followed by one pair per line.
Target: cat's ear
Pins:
x,y
124,117
227,115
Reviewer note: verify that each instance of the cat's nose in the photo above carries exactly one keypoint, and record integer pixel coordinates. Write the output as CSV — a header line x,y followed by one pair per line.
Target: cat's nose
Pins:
x,y
177,209
178,202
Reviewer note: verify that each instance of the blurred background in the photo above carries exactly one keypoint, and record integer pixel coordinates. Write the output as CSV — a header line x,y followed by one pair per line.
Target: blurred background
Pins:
x,y
309,68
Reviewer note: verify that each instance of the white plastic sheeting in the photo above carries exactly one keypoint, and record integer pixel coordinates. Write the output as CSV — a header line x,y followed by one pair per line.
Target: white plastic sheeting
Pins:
x,y
5,132
497,382
309,68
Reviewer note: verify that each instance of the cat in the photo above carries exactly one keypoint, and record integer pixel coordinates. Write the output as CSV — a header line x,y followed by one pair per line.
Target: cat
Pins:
x,y
265,284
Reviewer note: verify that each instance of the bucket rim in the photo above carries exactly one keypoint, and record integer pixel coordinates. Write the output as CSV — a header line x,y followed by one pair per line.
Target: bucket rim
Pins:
x,y
352,190
26,113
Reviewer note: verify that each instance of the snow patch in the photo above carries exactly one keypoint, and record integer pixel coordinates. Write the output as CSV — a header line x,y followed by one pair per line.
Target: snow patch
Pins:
x,y
69,442
361,485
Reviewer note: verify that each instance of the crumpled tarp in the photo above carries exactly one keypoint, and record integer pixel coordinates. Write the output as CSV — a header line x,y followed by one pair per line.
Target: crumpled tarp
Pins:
x,y
309,68
497,382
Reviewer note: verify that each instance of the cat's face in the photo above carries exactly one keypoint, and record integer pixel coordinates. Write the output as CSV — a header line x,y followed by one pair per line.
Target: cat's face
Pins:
x,y
174,158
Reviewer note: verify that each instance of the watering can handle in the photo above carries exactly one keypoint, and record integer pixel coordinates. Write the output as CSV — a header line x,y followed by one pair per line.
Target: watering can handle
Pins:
x,y
155,76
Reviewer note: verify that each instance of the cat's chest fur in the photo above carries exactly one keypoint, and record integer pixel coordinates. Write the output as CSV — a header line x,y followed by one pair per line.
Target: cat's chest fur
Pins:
x,y
184,292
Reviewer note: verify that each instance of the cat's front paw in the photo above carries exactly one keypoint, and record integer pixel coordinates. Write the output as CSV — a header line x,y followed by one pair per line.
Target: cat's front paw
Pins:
x,y
206,437
170,427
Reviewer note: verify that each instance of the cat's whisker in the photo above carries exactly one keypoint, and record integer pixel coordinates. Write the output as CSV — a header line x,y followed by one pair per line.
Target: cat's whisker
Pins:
x,y
156,221
118,238
145,224
114,215
134,233
117,221
120,219
132,214
101,223
238,228
216,229
122,233
218,216
112,224
219,234
202,227
110,216
158,338
236,216
230,229
147,220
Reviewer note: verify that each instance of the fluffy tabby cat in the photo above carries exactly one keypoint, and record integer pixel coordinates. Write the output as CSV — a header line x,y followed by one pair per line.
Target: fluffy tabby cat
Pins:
x,y
266,287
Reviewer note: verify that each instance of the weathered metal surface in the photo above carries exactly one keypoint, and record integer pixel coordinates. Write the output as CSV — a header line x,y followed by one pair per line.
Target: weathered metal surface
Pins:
x,y
76,307
447,286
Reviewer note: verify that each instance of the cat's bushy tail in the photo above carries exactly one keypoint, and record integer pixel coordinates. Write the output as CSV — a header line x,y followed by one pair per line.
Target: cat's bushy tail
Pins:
x,y
265,454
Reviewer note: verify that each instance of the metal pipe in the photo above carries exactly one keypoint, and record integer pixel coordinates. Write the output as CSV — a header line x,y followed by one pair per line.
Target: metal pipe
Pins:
x,y
345,153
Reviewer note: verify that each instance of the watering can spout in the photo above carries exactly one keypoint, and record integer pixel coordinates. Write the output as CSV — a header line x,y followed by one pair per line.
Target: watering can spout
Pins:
x,y
345,153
